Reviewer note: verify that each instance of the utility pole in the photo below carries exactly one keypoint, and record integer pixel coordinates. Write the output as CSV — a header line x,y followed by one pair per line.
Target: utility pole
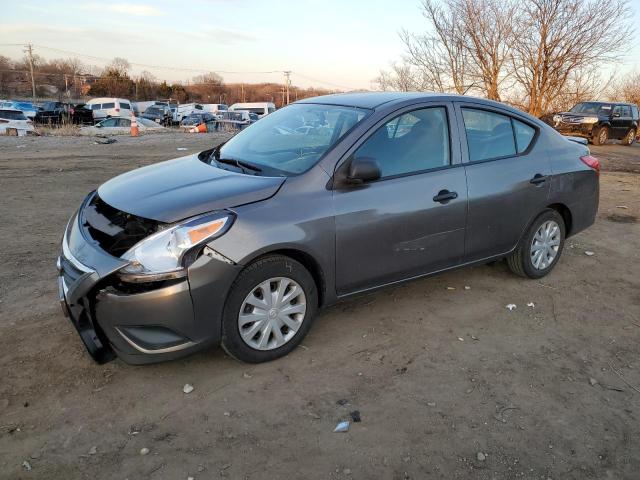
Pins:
x,y
287,82
29,52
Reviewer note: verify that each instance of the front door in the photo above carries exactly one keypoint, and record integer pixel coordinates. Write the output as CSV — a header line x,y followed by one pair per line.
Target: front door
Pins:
x,y
508,179
412,220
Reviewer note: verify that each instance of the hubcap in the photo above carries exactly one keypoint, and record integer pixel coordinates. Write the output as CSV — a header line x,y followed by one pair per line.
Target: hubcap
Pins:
x,y
545,245
272,313
631,137
603,136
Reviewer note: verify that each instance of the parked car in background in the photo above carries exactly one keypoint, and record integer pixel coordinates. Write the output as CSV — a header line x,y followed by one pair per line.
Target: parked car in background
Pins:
x,y
61,112
119,126
160,114
198,118
11,118
27,108
238,118
186,109
600,122
109,107
241,244
259,108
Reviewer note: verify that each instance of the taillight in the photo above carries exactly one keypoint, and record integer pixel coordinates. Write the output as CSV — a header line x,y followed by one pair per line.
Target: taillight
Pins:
x,y
29,122
3,121
117,109
591,162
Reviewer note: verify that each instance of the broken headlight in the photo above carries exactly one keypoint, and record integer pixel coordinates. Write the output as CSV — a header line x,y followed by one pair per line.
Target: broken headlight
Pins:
x,y
167,254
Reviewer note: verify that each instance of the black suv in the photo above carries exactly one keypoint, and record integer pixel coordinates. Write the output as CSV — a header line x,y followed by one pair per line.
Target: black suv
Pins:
x,y
61,112
600,122
160,114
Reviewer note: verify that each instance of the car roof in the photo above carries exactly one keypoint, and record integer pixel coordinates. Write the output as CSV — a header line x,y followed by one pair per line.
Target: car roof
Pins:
x,y
609,103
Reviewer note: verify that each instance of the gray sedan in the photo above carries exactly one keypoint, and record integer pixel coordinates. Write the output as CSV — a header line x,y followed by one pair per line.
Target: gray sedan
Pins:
x,y
327,198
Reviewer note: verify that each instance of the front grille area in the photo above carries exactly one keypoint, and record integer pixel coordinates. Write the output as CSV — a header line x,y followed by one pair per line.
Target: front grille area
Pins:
x,y
571,119
115,231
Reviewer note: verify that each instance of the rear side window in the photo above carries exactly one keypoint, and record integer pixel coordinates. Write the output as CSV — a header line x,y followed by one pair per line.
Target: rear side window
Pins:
x,y
626,111
96,106
108,105
412,142
524,135
634,112
489,134
126,106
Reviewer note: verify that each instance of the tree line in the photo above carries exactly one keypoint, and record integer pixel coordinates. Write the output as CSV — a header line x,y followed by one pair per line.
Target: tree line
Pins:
x,y
539,55
71,80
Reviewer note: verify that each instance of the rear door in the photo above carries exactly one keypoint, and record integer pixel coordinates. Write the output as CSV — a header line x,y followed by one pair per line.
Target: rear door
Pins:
x,y
411,221
508,178
619,122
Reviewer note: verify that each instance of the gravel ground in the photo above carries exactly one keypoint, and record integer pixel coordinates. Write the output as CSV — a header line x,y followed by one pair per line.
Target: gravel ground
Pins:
x,y
448,382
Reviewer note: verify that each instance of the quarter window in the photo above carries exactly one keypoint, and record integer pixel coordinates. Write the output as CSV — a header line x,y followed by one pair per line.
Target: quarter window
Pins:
x,y
489,135
412,142
524,135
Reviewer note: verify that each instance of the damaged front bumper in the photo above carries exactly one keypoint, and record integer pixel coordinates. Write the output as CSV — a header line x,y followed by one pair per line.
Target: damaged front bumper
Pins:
x,y
140,323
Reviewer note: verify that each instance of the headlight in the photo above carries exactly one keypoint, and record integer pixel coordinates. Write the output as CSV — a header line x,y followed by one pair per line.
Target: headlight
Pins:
x,y
557,118
590,120
165,254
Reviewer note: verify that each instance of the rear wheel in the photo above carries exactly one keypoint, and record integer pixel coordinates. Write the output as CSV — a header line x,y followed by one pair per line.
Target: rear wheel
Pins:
x,y
540,248
630,138
601,137
269,310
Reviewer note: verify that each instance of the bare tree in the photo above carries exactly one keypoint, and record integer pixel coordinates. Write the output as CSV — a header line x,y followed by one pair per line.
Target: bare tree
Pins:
x,y
401,77
628,89
555,39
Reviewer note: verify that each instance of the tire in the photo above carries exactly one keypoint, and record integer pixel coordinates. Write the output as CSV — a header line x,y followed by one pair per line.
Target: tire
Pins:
x,y
629,138
249,283
601,137
521,260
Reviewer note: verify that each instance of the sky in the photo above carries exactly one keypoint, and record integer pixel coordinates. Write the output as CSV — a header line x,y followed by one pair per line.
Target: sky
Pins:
x,y
325,43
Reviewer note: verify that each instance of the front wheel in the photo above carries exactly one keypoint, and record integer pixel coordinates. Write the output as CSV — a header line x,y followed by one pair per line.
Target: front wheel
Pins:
x,y
601,137
540,248
630,137
269,310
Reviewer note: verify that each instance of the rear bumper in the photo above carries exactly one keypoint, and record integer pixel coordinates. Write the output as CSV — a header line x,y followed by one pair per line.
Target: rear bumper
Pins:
x,y
142,323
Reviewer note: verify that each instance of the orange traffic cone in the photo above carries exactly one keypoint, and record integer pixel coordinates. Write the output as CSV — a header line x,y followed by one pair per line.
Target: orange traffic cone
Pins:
x,y
202,128
134,125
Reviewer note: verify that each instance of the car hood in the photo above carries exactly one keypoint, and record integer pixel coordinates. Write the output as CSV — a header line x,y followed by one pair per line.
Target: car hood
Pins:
x,y
184,187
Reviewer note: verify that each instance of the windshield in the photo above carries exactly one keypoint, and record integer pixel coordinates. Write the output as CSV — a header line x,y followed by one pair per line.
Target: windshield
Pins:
x,y
592,108
292,140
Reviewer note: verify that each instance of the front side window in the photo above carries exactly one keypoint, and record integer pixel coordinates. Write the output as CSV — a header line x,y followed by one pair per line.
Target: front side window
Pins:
x,y
126,106
293,139
489,134
592,108
626,111
108,105
412,142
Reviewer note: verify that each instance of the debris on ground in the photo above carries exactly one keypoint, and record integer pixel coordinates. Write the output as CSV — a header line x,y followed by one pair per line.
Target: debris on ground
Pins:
x,y
511,306
624,207
188,388
531,304
342,427
481,457
93,450
593,382
473,337
106,141
247,375
589,253
144,451
26,465
461,339
451,288
355,416
342,401
467,287
182,148
431,404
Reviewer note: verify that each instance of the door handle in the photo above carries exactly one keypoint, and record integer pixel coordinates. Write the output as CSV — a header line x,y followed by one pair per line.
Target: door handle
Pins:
x,y
444,196
538,178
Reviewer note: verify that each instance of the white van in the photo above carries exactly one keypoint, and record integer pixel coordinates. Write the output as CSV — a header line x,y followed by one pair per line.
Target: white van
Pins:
x,y
106,107
185,109
215,108
259,108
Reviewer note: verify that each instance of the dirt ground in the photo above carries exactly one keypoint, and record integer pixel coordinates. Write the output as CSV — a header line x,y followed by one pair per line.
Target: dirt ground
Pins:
x,y
439,375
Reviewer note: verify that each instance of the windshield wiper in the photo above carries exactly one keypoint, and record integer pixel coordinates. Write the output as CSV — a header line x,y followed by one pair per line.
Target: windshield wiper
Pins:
x,y
240,164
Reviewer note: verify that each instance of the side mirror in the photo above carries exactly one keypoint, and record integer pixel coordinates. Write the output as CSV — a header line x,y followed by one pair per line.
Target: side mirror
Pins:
x,y
362,170
616,114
